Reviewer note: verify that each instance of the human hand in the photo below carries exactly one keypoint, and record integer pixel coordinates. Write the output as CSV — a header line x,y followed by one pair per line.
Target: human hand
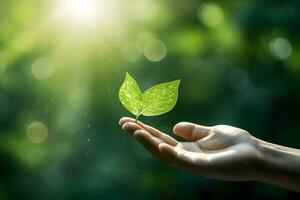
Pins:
x,y
219,152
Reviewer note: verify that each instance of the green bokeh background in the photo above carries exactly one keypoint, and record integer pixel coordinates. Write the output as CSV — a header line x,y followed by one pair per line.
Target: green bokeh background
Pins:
x,y
238,61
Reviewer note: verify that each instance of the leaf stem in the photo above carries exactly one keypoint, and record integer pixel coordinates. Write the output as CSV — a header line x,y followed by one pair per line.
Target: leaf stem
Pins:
x,y
136,118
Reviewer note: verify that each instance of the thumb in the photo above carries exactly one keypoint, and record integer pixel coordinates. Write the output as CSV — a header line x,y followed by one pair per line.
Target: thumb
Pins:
x,y
190,131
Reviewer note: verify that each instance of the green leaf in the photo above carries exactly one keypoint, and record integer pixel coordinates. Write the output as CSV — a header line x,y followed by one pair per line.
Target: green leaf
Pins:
x,y
130,95
160,99
156,100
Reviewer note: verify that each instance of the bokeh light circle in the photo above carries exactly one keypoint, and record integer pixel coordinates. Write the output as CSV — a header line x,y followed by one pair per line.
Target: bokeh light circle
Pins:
x,y
155,50
42,68
37,132
210,14
280,48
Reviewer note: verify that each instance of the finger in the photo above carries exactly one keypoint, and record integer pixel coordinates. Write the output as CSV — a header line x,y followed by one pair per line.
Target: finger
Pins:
x,y
150,143
166,138
194,162
220,137
123,120
144,138
179,158
190,131
213,142
131,127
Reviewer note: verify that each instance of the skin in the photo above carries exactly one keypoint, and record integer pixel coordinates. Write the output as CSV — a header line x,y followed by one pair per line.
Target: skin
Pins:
x,y
220,152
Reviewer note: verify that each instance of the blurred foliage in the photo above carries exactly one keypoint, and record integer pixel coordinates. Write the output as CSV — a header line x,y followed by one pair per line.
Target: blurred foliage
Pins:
x,y
62,63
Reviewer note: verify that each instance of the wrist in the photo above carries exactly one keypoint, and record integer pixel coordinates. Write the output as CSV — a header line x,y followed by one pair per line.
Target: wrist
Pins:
x,y
261,166
279,165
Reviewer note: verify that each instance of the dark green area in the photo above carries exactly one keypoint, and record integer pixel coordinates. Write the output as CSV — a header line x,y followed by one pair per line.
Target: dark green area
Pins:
x,y
239,65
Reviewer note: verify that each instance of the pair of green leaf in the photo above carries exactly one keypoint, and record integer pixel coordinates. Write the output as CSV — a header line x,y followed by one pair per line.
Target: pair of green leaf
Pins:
x,y
157,100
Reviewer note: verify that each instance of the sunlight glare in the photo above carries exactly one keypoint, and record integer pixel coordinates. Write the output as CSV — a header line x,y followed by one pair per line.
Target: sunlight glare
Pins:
x,y
85,11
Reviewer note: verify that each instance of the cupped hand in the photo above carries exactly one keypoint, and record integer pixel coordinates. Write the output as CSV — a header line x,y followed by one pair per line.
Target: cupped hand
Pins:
x,y
219,152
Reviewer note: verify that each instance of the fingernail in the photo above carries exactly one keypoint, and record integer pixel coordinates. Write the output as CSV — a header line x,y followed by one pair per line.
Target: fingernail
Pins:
x,y
126,126
122,121
137,132
130,127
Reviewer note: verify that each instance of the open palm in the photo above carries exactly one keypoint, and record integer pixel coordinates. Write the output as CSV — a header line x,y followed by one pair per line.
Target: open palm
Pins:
x,y
220,152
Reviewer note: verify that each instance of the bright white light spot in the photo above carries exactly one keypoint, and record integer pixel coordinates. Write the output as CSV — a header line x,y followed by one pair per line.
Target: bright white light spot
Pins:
x,y
155,50
42,68
37,132
82,10
280,48
210,14
89,12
